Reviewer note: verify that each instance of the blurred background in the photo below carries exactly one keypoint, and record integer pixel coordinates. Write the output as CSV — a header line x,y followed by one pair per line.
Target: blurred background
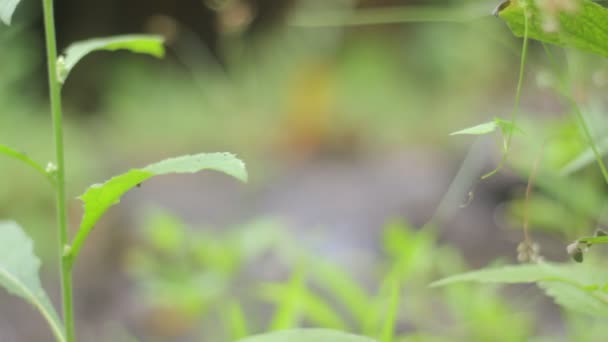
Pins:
x,y
342,111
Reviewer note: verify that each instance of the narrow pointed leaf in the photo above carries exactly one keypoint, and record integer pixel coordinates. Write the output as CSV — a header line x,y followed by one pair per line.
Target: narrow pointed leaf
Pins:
x,y
594,240
585,29
19,273
22,157
7,8
308,335
100,197
145,44
481,129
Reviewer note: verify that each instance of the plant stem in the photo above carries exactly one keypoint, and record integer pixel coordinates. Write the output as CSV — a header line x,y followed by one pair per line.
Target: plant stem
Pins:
x,y
518,91
55,95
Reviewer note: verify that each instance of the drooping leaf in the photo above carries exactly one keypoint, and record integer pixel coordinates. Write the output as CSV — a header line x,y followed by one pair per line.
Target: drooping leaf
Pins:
x,y
584,29
19,273
7,8
145,44
100,197
25,159
481,129
307,335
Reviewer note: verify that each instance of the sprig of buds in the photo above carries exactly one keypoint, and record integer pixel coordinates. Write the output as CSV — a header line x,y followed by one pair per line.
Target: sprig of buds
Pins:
x,y
528,251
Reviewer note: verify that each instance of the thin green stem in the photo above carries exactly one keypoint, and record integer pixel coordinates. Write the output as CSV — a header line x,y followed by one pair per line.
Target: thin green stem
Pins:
x,y
589,137
55,95
520,84
563,88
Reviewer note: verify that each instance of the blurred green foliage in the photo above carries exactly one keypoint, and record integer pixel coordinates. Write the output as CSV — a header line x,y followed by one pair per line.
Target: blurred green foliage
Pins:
x,y
203,277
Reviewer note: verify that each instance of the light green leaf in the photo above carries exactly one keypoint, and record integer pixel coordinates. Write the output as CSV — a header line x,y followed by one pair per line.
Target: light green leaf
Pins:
x,y
575,298
25,159
528,273
574,287
594,240
506,126
585,29
481,129
308,335
7,7
145,44
19,273
100,197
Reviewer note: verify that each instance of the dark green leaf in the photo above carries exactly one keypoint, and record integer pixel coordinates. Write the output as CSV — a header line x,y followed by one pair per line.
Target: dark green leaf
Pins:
x,y
585,29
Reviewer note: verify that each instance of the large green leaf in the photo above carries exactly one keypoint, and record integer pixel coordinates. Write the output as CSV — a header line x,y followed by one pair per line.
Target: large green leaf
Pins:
x,y
146,44
575,287
307,335
589,300
528,273
7,7
100,197
585,29
19,273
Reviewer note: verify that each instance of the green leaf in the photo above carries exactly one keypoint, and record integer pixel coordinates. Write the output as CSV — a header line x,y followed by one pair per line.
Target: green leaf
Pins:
x,y
576,288
506,126
577,299
25,159
235,320
585,29
7,7
100,197
528,273
481,129
308,335
19,273
145,44
594,240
